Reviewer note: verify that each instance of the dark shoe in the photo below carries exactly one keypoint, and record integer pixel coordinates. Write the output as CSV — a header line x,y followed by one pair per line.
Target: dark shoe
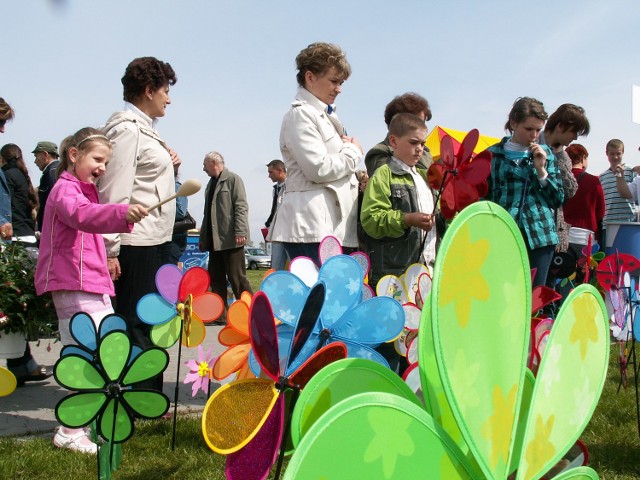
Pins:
x,y
40,374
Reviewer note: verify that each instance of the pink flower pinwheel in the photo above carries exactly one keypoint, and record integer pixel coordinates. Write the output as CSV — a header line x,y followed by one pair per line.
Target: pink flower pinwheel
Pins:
x,y
460,178
200,371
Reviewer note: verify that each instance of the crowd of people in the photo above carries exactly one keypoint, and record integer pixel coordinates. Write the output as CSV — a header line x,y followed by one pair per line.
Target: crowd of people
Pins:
x,y
100,243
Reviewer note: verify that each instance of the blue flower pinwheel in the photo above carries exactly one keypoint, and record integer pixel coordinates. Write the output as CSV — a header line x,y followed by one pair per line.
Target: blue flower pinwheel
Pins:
x,y
344,316
103,387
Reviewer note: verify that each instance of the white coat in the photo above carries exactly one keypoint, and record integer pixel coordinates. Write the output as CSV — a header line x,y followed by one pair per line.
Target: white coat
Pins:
x,y
139,171
321,188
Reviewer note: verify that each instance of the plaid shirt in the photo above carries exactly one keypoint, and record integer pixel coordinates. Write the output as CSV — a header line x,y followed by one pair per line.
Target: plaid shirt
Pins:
x,y
515,187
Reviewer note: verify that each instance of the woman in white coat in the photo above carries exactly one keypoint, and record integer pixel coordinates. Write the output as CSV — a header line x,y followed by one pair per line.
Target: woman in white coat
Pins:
x,y
141,170
321,160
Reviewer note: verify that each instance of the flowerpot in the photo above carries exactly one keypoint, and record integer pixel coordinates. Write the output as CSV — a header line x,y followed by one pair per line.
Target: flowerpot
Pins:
x,y
12,344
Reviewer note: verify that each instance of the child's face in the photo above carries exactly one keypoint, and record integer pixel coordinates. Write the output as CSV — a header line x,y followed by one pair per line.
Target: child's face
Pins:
x,y
526,132
614,155
408,148
90,164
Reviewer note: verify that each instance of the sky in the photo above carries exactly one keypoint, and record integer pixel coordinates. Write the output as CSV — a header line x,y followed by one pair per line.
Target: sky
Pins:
x,y
62,62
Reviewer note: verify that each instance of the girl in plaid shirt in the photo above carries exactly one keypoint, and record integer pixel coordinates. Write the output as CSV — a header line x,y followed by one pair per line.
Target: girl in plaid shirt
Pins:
x,y
525,180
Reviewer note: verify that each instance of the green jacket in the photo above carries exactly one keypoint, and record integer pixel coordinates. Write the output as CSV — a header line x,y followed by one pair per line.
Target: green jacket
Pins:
x,y
391,245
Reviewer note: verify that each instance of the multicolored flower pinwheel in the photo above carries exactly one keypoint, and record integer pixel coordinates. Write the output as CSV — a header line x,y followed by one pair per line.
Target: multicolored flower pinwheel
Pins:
x,y
245,419
200,371
344,316
461,178
184,301
235,336
104,384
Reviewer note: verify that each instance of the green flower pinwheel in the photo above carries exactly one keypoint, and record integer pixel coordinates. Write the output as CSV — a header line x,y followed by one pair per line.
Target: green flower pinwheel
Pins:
x,y
104,387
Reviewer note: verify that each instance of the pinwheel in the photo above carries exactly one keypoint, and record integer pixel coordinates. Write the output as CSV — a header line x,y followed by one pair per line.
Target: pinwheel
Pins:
x,y
179,312
460,178
8,382
409,289
589,262
200,371
184,301
87,335
613,275
307,271
486,416
235,336
104,390
245,419
344,317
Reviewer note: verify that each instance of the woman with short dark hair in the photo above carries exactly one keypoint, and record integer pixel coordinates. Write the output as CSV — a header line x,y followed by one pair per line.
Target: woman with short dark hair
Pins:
x,y
141,170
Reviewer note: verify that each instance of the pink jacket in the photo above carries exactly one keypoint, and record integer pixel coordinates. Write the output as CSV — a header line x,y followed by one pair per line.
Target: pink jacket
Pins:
x,y
72,252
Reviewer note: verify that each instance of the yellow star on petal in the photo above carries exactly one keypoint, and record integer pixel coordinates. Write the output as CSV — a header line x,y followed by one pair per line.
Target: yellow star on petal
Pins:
x,y
497,429
462,279
584,329
540,448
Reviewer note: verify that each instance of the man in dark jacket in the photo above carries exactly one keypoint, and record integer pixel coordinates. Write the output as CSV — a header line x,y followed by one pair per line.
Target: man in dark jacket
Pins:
x,y
46,154
225,229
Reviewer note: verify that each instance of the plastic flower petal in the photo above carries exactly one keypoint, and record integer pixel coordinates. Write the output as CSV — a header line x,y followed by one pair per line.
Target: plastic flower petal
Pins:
x,y
235,336
103,387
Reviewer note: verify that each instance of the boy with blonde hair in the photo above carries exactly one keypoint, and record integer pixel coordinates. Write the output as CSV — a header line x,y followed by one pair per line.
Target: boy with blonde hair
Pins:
x,y
397,209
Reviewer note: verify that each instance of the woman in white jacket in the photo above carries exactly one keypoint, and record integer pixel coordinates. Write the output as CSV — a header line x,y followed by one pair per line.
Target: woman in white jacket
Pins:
x,y
141,170
321,160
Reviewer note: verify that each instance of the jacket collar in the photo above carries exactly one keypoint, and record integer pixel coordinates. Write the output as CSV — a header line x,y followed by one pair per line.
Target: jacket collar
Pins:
x,y
88,189
306,96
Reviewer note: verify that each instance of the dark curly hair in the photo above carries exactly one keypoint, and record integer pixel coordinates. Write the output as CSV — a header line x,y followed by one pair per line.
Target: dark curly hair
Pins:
x,y
409,102
146,72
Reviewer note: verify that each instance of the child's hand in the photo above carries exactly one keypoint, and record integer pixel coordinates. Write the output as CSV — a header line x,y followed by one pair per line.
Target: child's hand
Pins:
x,y
135,213
423,221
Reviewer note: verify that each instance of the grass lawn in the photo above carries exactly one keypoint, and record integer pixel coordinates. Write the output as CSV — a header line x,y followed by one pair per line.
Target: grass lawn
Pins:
x,y
611,437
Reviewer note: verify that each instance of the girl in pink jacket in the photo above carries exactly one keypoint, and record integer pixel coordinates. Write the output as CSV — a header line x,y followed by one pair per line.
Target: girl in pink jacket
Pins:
x,y
72,262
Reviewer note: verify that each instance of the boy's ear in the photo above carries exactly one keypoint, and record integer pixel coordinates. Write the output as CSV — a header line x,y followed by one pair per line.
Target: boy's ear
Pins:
x,y
393,141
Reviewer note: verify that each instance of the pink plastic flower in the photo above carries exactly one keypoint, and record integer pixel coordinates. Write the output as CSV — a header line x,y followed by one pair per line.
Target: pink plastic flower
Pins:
x,y
200,371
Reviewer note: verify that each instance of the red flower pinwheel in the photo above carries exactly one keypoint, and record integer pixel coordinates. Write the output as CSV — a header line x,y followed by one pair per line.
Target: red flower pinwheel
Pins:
x,y
460,178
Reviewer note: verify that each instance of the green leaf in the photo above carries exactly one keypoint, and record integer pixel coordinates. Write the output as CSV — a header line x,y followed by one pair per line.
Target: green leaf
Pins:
x,y
79,409
114,352
147,403
115,423
77,373
165,335
150,363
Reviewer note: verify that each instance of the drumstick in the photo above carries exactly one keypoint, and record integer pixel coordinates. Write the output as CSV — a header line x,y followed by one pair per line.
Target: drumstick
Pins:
x,y
187,189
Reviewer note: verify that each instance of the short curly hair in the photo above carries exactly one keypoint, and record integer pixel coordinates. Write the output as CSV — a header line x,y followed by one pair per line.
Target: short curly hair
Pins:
x,y
409,102
146,72
576,152
6,112
318,58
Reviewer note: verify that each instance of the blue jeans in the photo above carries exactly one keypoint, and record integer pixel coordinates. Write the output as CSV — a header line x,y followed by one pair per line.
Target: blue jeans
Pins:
x,y
279,256
540,259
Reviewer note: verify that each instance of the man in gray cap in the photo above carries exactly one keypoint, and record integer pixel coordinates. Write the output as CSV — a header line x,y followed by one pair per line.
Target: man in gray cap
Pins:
x,y
46,154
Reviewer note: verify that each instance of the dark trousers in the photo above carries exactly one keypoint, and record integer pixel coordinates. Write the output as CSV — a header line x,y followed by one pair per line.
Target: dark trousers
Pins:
x,y
540,259
139,266
229,264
